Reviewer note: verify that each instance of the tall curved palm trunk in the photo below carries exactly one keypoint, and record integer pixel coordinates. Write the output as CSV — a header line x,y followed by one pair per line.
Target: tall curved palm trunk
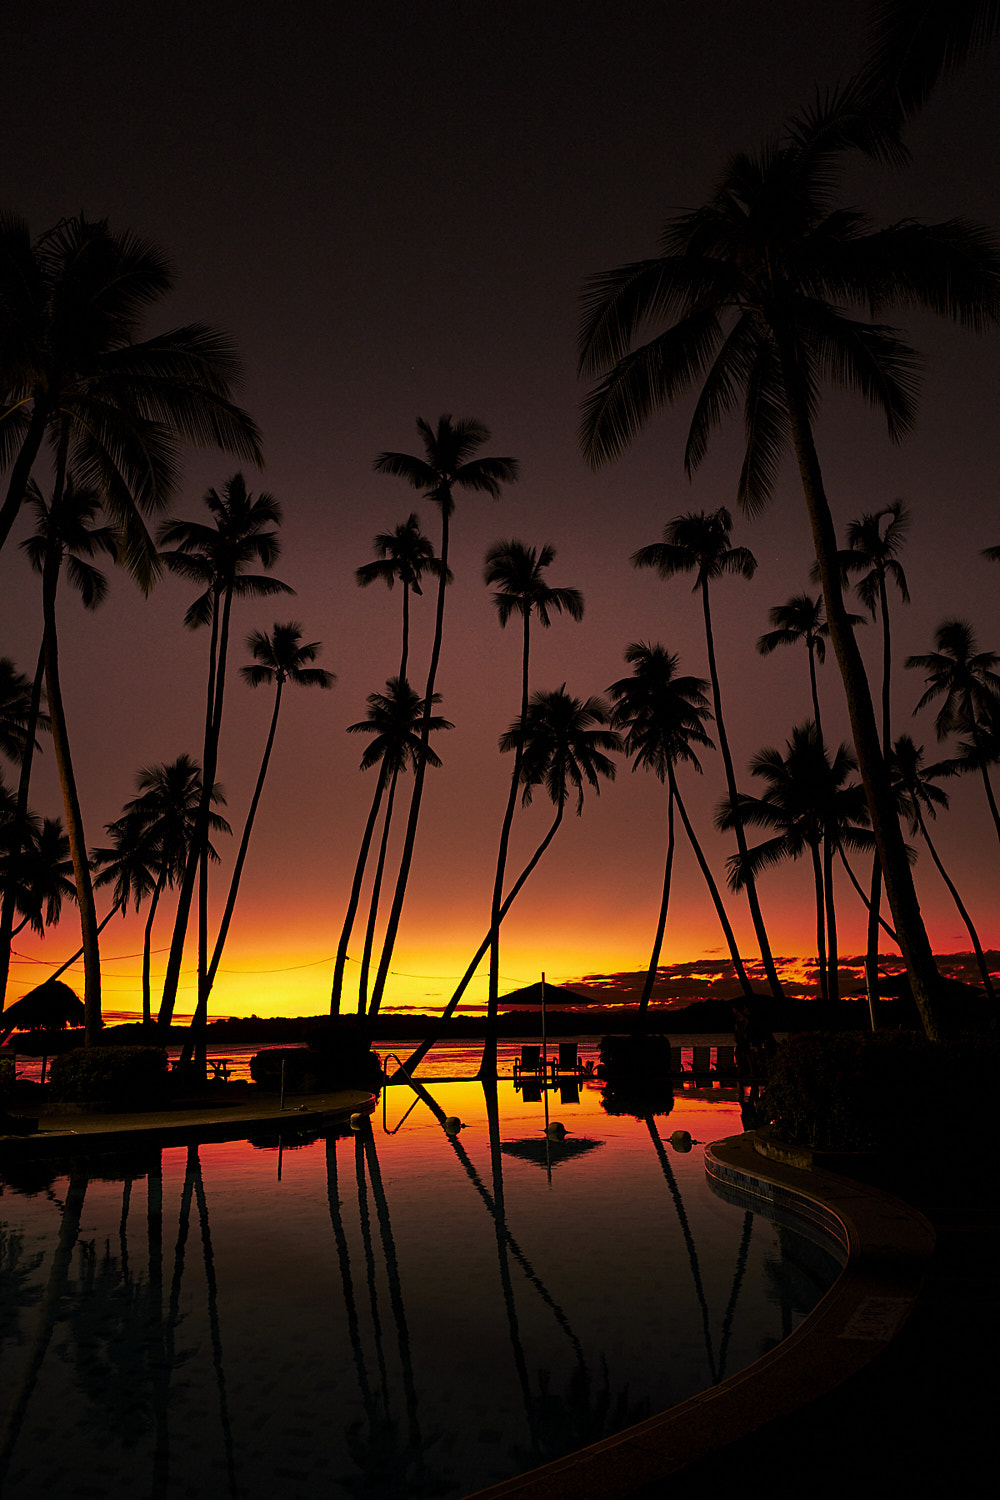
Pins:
x,y
7,904
913,941
354,898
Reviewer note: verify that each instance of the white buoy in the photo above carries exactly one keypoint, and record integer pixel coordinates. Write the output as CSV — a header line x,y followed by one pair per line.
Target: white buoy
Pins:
x,y
453,1125
681,1140
555,1130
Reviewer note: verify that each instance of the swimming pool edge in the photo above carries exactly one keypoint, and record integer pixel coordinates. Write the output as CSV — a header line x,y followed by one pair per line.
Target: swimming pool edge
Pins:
x,y
887,1246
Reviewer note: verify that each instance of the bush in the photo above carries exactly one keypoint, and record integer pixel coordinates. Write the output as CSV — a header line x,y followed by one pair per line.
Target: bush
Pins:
x,y
338,1056
131,1077
862,1091
636,1074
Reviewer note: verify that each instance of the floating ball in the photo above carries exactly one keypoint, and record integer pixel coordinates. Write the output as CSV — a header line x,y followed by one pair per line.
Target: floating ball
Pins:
x,y
453,1125
681,1140
556,1130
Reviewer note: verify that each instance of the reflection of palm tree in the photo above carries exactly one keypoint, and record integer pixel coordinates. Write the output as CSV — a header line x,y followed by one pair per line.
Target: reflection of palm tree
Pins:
x,y
699,543
758,285
280,657
393,719
517,570
682,1218
663,716
215,557
563,743
448,463
917,793
810,805
965,678
872,550
403,553
194,1167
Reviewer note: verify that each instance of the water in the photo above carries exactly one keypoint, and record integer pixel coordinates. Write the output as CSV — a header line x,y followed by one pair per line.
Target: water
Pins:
x,y
392,1314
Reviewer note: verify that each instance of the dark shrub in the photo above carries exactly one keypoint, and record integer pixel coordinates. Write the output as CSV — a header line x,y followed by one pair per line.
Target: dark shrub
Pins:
x,y
338,1056
636,1074
127,1077
860,1091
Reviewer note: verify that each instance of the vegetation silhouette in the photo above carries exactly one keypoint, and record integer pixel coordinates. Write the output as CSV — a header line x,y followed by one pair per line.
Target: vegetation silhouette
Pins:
x,y
698,543
758,283
21,718
448,463
517,572
216,557
403,553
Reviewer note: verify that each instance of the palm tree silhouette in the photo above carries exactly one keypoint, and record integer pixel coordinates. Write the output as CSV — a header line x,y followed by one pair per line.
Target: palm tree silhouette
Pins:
x,y
916,793
216,557
517,571
280,657
403,553
20,719
966,679
75,372
757,287
564,743
663,716
151,842
872,551
448,463
66,533
698,542
801,618
37,870
396,719
912,46
811,805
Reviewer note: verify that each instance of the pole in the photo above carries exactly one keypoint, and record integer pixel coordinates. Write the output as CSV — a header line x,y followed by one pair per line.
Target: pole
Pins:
x,y
545,1065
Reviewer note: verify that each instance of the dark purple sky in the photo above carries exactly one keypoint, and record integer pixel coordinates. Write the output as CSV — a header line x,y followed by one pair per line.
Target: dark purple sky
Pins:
x,y
393,208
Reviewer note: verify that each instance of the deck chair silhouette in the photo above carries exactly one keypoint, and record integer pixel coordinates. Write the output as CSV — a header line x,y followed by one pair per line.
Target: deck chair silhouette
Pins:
x,y
569,1061
529,1063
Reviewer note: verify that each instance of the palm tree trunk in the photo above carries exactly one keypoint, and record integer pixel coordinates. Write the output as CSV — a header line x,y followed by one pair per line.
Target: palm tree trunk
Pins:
x,y
713,889
67,779
875,904
199,1020
234,884
419,772
147,944
425,1046
814,688
488,1064
821,957
833,958
734,798
970,929
914,944
858,887
186,891
79,952
20,820
355,896
988,788
661,921
376,894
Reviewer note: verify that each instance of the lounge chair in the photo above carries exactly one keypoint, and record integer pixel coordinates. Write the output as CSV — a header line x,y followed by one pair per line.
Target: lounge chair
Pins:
x,y
529,1063
569,1060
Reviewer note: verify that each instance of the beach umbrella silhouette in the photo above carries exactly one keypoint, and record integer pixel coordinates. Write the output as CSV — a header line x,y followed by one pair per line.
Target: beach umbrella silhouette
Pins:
x,y
549,1152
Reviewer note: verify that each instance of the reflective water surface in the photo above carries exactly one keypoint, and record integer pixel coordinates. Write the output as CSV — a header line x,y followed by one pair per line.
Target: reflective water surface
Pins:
x,y
398,1312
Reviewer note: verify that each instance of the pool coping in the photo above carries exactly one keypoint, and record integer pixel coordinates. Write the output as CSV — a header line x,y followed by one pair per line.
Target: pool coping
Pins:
x,y
887,1246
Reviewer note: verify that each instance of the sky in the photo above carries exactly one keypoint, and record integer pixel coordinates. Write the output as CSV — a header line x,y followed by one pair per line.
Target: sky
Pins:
x,y
393,209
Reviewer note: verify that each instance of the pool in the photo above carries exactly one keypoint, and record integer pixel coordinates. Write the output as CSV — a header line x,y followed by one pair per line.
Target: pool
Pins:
x,y
391,1313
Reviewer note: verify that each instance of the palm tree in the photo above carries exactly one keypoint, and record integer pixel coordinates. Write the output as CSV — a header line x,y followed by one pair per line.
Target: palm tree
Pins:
x,y
66,533
663,717
810,805
20,719
150,844
801,618
216,557
966,679
699,543
448,463
395,719
279,658
403,553
916,793
564,743
872,550
75,373
758,288
36,868
517,571
912,46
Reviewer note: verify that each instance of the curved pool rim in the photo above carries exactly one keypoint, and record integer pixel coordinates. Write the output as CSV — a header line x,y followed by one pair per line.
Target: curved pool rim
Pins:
x,y
886,1246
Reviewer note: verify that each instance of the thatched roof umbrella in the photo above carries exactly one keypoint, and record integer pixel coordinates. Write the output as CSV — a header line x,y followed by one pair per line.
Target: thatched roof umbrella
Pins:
x,y
49,1006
